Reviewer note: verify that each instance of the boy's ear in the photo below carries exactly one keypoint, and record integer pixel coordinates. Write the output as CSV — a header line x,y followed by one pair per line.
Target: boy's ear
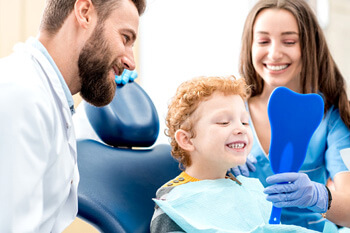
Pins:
x,y
84,11
183,138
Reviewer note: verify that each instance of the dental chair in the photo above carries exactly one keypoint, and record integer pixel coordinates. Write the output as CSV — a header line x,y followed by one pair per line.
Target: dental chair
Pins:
x,y
120,173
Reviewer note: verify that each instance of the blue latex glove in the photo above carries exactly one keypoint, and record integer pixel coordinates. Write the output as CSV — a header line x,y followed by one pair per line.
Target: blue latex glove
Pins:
x,y
245,168
127,76
296,190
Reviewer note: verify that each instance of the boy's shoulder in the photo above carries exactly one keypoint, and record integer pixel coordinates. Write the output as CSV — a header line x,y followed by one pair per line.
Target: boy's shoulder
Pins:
x,y
168,186
180,179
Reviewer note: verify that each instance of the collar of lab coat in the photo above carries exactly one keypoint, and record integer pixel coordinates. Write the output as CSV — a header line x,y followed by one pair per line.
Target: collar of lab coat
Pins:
x,y
58,91
38,45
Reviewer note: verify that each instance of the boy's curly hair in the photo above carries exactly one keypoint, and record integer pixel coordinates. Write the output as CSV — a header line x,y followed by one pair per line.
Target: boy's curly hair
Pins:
x,y
186,100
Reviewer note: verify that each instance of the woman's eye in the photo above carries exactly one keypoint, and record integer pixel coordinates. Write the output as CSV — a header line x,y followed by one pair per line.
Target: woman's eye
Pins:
x,y
263,42
290,42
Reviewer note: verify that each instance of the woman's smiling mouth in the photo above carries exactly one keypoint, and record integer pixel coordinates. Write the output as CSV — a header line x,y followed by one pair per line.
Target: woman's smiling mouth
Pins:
x,y
276,68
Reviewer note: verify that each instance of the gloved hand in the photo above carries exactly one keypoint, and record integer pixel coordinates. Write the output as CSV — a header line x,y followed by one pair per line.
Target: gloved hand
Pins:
x,y
127,76
245,168
296,190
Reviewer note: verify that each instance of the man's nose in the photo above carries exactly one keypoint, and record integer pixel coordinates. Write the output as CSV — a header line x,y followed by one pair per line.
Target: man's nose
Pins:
x,y
128,60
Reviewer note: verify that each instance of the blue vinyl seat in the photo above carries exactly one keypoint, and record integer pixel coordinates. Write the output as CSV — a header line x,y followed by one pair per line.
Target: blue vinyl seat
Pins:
x,y
120,174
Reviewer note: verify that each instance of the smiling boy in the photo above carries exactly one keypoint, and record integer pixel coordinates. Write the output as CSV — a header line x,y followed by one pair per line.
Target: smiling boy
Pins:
x,y
208,127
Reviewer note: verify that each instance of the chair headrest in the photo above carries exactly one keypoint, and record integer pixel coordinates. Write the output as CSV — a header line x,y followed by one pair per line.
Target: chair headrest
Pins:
x,y
130,120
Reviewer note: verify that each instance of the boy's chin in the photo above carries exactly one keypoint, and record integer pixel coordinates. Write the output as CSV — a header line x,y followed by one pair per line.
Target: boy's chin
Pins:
x,y
240,162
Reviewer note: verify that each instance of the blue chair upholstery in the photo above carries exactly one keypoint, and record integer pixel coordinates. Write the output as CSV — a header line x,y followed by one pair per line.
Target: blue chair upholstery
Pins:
x,y
118,181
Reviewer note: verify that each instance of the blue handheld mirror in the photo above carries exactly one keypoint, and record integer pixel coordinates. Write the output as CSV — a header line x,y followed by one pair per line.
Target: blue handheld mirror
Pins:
x,y
293,118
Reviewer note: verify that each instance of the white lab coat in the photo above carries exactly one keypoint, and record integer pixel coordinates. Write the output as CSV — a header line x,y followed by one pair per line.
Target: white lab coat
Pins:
x,y
82,126
38,170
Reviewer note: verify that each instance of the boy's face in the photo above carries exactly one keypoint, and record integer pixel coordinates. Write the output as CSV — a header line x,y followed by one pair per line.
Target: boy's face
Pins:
x,y
223,137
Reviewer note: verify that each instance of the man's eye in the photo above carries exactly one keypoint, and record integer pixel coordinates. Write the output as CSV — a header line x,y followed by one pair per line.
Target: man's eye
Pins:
x,y
127,38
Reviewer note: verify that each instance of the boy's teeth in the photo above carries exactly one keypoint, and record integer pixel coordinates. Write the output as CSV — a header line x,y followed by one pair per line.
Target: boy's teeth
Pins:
x,y
236,145
276,67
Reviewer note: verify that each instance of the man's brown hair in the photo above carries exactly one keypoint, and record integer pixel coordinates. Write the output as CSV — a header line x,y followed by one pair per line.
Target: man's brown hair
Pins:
x,y
56,11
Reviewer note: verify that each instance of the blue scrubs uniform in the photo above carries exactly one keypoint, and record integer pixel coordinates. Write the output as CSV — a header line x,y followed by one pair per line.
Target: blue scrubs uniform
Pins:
x,y
322,161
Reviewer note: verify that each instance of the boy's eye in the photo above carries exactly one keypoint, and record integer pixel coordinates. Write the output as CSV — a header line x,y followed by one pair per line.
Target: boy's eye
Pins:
x,y
245,123
223,123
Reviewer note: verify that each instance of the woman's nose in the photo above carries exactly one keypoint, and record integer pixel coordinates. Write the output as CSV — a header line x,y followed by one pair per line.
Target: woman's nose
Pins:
x,y
275,52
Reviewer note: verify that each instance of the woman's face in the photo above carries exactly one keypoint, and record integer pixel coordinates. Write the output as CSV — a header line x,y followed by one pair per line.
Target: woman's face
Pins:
x,y
276,52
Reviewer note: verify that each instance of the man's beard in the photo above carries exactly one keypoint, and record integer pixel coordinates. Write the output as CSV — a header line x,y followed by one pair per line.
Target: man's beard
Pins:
x,y
94,66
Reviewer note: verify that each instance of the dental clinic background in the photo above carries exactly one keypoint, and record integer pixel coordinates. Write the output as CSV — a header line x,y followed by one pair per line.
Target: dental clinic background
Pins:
x,y
182,39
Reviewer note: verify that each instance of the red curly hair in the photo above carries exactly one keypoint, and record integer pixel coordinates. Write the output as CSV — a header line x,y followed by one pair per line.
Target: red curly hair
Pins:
x,y
186,100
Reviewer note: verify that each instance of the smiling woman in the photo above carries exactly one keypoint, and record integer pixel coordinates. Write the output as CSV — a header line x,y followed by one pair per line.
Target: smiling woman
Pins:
x,y
276,49
284,45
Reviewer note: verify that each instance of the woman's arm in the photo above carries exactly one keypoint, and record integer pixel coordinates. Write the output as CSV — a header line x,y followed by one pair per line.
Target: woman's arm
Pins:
x,y
339,212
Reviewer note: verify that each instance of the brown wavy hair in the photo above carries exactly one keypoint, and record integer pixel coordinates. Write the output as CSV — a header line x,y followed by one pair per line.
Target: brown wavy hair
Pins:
x,y
319,73
186,100
56,11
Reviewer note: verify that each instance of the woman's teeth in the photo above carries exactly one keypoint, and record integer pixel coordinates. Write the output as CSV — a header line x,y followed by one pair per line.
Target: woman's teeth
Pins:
x,y
276,68
236,145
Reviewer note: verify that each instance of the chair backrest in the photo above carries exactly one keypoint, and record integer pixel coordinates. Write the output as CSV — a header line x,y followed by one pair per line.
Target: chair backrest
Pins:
x,y
117,184
130,120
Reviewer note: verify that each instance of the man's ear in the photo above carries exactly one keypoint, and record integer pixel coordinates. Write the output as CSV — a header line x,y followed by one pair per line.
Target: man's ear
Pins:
x,y
84,12
183,138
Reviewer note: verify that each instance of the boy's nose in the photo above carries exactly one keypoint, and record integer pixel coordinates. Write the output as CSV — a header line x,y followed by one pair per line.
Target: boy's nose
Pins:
x,y
240,129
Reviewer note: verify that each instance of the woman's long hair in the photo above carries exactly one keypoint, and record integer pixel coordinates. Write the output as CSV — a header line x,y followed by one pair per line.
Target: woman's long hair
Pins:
x,y
319,72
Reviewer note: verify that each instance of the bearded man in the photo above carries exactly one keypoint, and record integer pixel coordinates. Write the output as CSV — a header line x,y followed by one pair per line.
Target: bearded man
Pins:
x,y
81,46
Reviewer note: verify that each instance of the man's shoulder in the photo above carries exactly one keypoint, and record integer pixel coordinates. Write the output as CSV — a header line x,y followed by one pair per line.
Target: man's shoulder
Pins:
x,y
19,69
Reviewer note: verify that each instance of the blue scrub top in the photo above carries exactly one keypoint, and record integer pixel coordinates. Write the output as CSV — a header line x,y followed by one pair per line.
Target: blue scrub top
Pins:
x,y
322,161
